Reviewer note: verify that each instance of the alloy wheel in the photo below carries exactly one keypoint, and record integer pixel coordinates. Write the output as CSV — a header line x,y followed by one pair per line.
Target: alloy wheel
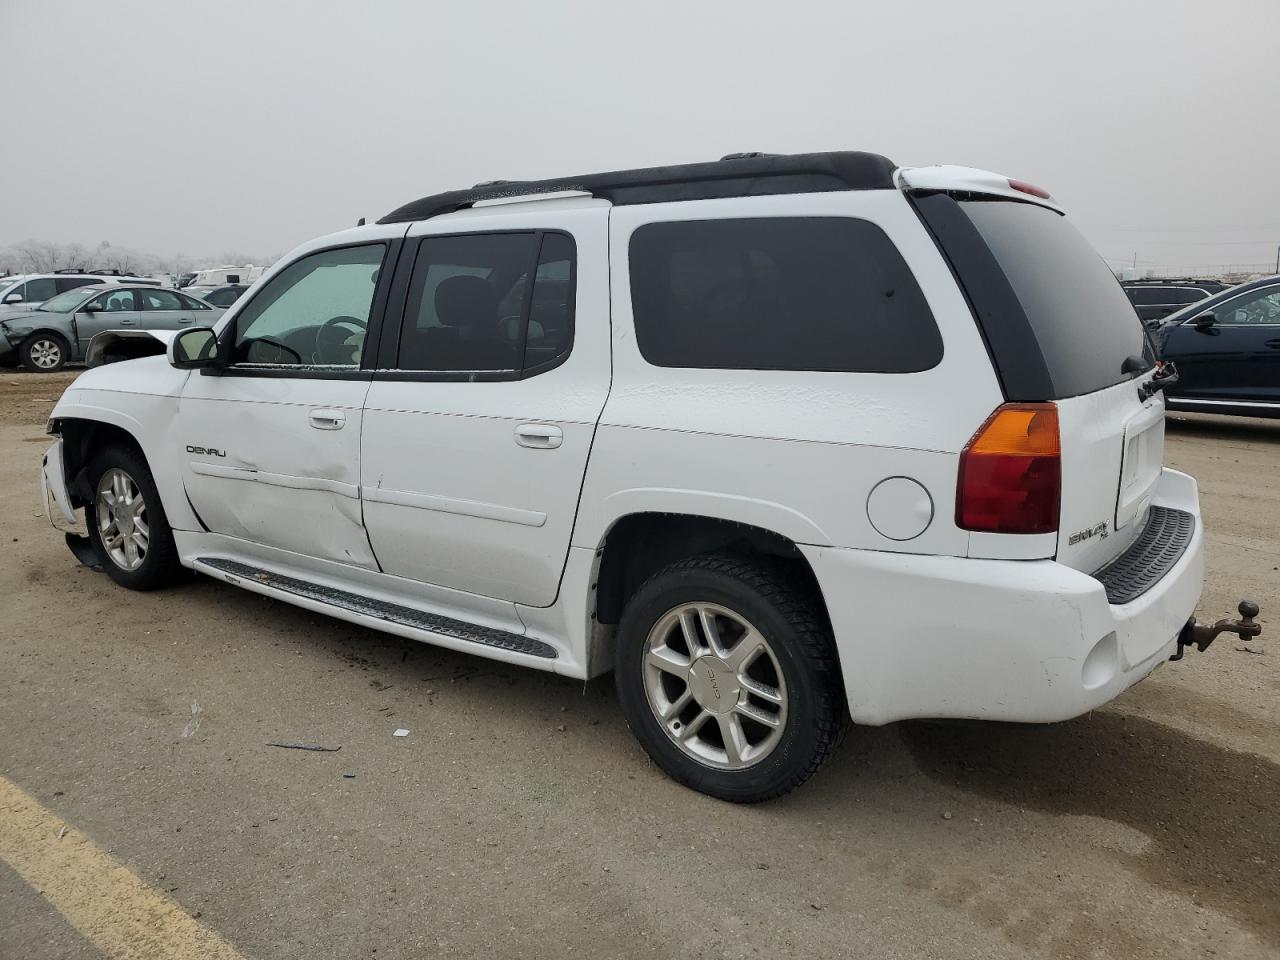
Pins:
x,y
121,515
46,354
715,686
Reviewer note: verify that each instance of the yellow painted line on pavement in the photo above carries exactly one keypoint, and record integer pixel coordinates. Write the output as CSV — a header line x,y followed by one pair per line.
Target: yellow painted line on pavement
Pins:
x,y
111,907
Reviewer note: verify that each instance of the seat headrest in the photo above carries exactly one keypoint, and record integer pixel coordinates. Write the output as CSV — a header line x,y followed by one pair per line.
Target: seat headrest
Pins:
x,y
467,301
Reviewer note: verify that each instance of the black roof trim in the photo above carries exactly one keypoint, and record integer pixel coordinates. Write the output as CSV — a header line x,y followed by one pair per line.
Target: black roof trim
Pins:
x,y
738,175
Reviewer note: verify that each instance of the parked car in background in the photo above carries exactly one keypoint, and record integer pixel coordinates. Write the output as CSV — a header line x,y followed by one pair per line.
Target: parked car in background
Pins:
x,y
59,330
1227,351
1156,299
185,280
219,296
29,290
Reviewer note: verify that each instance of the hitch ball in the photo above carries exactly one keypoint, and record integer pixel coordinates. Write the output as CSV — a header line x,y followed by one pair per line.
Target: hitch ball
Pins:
x,y
1201,635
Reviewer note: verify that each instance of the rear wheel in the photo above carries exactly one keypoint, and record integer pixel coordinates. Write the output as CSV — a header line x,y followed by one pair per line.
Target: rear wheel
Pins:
x,y
44,352
127,523
727,676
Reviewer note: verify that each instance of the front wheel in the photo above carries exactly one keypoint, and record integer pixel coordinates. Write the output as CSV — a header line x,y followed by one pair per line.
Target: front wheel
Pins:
x,y
44,353
727,675
127,523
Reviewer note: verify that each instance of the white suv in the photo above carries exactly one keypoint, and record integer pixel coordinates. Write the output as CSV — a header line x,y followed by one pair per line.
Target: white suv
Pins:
x,y
780,440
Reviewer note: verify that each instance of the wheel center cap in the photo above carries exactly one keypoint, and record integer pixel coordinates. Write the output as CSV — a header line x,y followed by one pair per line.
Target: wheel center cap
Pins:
x,y
714,685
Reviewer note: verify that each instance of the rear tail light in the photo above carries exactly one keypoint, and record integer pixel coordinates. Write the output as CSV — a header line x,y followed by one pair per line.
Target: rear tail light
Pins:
x,y
1011,472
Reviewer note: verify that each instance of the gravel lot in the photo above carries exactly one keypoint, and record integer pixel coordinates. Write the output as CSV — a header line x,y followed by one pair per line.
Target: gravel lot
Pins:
x,y
520,819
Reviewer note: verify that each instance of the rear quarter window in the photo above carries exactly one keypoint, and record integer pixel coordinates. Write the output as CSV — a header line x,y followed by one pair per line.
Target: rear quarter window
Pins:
x,y
781,293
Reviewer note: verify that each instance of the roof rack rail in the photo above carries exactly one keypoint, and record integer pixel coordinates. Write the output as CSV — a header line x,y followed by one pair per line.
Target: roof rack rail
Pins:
x,y
70,270
737,175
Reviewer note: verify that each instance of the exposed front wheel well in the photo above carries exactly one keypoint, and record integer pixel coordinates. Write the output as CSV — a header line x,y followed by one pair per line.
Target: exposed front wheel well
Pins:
x,y
81,440
641,544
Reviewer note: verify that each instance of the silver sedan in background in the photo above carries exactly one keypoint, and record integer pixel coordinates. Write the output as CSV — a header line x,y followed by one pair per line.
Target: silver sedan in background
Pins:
x,y
59,330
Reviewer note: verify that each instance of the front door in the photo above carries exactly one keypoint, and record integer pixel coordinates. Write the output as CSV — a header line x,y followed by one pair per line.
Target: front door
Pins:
x,y
114,310
270,446
476,436
1237,356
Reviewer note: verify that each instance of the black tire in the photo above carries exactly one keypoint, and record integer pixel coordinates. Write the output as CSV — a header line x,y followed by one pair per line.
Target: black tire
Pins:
x,y
39,346
785,610
160,566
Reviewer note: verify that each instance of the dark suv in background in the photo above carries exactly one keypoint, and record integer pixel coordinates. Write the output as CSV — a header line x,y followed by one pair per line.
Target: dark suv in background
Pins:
x,y
1156,299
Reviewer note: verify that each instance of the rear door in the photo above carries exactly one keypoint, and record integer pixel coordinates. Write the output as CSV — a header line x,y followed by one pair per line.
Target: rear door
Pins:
x,y
478,426
1061,329
197,313
163,310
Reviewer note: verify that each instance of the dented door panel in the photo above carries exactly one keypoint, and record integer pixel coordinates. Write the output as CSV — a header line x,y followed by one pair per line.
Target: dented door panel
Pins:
x,y
257,466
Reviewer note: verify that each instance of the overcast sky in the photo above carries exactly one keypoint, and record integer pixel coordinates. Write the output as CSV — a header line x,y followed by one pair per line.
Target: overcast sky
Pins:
x,y
226,125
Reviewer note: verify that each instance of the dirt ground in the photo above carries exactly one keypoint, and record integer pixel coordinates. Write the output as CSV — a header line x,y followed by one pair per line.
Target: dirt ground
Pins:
x,y
519,819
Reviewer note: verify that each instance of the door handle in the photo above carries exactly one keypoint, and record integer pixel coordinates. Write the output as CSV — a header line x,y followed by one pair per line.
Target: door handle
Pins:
x,y
539,436
182,320
127,323
327,419
1273,344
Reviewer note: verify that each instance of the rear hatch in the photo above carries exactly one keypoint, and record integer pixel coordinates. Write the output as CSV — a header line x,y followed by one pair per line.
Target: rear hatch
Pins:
x,y
1060,328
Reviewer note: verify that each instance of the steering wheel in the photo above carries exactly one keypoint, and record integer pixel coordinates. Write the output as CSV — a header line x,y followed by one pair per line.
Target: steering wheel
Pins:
x,y
329,337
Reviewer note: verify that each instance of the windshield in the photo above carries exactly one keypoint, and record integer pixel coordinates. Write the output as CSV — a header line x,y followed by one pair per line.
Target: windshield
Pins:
x,y
66,301
1083,321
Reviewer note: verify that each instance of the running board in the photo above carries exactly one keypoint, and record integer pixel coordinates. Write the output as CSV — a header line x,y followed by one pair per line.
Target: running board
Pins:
x,y
393,613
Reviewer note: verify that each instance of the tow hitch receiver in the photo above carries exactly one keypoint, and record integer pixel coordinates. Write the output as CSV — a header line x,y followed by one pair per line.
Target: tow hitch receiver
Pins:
x,y
1200,635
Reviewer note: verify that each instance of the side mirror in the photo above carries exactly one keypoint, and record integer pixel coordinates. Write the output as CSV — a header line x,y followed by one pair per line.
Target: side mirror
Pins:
x,y
193,348
13,298
1205,321
91,308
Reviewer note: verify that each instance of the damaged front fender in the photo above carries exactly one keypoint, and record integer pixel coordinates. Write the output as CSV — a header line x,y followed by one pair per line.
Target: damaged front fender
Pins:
x,y
112,346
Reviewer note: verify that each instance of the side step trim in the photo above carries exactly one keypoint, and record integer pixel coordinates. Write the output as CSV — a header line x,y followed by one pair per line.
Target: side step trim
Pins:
x,y
382,609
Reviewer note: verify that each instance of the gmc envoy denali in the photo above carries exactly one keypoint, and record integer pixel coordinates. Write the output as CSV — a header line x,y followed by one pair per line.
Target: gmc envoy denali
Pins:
x,y
783,441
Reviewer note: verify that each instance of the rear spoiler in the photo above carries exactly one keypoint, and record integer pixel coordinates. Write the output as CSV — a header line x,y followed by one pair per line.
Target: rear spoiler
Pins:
x,y
970,180
112,346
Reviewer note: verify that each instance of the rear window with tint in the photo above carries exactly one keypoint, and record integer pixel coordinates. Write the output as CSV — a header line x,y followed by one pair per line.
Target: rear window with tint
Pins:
x,y
784,293
1082,320
1152,296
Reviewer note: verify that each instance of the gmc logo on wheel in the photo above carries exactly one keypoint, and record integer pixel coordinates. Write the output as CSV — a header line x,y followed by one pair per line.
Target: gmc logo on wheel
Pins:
x,y
207,451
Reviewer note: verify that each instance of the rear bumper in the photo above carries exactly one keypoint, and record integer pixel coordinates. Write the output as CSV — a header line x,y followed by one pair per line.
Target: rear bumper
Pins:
x,y
1029,641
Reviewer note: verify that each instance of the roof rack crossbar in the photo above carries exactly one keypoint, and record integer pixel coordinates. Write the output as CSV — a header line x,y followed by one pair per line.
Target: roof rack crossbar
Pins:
x,y
738,175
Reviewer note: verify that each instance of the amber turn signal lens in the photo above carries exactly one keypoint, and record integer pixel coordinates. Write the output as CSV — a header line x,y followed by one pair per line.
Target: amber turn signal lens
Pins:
x,y
1011,472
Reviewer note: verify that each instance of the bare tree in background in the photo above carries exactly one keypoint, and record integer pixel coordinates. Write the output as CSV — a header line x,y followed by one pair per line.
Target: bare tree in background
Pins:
x,y
44,256
37,256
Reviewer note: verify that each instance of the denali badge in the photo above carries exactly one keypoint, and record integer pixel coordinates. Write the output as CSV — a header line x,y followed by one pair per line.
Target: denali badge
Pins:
x,y
209,451
1100,531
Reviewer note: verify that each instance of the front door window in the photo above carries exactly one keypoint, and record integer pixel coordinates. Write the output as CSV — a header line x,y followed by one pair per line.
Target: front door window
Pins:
x,y
315,312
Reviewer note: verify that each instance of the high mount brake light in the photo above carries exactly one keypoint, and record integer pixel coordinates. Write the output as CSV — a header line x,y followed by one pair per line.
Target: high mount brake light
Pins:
x,y
1023,187
1011,472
